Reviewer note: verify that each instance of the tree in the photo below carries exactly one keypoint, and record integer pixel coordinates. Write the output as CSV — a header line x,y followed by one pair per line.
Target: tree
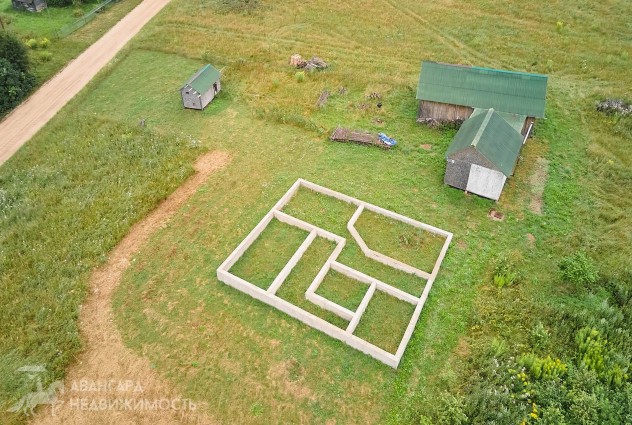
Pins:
x,y
15,85
14,51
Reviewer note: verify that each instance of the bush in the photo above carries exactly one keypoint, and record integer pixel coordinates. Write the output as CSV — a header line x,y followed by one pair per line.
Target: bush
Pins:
x,y
543,368
507,270
13,51
15,85
43,43
45,56
59,3
578,269
31,43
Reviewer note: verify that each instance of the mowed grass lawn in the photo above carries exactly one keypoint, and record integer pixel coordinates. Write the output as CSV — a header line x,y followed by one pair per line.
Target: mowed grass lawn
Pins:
x,y
247,362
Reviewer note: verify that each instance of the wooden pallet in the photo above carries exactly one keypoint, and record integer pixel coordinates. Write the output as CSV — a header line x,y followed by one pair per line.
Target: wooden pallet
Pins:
x,y
354,136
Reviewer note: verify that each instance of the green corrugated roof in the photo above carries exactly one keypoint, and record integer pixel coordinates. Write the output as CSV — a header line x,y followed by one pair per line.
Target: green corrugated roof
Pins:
x,y
204,79
492,136
507,91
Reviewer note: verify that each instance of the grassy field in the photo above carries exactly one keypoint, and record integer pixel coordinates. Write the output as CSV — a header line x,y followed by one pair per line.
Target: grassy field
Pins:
x,y
65,199
45,62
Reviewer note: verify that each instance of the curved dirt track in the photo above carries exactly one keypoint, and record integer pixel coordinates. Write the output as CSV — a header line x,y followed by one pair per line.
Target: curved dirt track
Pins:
x,y
105,359
26,120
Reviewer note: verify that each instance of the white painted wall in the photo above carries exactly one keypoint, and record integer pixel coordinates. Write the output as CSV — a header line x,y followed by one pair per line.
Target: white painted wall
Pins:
x,y
485,182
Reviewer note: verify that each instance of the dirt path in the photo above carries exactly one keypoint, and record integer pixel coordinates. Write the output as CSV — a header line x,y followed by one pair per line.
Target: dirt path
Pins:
x,y
106,369
20,125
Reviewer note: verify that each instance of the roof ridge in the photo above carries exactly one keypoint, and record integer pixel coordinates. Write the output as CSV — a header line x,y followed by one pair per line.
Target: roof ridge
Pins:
x,y
483,126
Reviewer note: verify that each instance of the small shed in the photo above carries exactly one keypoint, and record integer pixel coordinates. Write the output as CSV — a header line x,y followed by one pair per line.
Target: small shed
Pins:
x,y
30,5
449,93
201,88
483,154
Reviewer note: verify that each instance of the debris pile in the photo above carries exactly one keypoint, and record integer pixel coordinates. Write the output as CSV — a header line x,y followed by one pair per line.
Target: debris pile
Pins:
x,y
323,98
360,137
614,106
315,62
441,124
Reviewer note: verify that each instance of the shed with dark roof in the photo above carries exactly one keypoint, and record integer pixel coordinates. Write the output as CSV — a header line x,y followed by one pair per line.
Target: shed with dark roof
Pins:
x,y
30,5
201,88
449,93
483,154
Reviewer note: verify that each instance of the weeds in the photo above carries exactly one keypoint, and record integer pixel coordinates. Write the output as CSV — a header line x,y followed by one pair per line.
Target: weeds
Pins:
x,y
578,269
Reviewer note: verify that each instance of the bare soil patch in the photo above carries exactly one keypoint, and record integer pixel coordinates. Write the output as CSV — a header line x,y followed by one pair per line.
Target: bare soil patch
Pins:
x,y
105,359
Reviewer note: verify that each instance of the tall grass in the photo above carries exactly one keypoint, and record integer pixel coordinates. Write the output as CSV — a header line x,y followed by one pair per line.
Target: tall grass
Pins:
x,y
65,200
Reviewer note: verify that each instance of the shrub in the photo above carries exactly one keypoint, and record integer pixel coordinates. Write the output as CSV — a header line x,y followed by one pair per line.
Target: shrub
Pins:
x,y
59,3
578,269
45,56
539,336
543,368
15,85
12,50
506,271
450,409
31,43
43,43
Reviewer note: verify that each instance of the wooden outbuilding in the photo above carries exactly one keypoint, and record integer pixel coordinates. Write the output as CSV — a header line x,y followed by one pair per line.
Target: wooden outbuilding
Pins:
x,y
30,5
201,88
483,154
449,93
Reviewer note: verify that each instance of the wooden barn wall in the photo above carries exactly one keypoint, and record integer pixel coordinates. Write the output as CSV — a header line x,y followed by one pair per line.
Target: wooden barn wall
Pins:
x,y
527,122
443,111
190,100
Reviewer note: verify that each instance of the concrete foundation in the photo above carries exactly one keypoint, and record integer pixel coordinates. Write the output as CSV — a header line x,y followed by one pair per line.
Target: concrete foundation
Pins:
x,y
346,335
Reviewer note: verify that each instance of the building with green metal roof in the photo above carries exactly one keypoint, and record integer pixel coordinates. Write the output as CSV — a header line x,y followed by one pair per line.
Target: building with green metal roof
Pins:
x,y
449,93
201,88
483,154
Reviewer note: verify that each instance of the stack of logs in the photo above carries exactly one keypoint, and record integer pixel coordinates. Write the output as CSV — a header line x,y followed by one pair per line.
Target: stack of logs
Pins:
x,y
314,63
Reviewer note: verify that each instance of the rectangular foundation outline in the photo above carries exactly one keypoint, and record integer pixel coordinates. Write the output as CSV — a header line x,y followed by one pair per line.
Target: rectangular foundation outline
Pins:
x,y
268,296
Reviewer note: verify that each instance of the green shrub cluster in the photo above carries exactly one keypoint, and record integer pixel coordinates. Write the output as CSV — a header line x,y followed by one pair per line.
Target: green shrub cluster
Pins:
x,y
543,368
15,80
507,270
13,51
59,3
587,381
34,43
578,269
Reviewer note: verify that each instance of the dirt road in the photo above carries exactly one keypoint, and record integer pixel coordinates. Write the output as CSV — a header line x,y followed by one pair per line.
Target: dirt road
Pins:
x,y
34,113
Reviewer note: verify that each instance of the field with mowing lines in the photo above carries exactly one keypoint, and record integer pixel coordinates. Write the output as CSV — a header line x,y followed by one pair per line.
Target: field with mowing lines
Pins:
x,y
73,191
